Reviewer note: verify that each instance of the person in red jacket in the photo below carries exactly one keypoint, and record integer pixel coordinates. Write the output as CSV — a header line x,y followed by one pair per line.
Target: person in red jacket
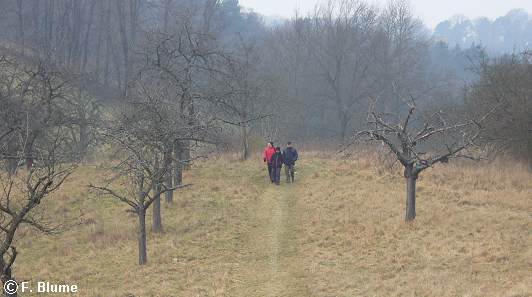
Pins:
x,y
267,157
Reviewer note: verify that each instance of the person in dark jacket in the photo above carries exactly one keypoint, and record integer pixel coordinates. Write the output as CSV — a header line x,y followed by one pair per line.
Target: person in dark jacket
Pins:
x,y
289,158
277,164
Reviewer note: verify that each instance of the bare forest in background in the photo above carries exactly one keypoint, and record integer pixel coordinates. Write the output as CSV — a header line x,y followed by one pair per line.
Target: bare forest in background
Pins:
x,y
307,79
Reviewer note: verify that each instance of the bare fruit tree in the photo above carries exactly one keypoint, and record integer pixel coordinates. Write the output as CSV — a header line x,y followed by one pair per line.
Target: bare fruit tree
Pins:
x,y
21,195
419,142
138,133
137,182
34,149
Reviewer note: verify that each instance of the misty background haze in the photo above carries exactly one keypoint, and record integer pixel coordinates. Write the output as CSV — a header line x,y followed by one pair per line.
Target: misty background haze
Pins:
x,y
501,26
431,12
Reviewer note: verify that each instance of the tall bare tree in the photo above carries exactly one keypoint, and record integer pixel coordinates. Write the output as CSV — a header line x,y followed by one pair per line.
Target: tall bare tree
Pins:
x,y
343,48
239,91
177,63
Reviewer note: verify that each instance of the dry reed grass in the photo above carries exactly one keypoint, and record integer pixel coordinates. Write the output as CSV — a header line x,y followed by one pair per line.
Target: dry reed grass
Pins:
x,y
343,234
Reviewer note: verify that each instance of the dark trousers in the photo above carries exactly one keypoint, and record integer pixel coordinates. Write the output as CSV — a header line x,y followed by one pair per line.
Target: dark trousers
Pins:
x,y
289,170
270,172
277,175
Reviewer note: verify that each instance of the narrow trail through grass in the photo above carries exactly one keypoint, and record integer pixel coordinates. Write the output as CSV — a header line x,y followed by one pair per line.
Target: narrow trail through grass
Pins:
x,y
270,264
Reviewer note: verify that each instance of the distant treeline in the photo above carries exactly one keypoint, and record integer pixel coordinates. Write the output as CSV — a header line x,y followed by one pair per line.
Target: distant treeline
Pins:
x,y
506,34
307,79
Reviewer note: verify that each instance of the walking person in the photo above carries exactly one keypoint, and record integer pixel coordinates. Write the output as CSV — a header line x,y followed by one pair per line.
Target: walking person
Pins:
x,y
290,157
277,164
267,156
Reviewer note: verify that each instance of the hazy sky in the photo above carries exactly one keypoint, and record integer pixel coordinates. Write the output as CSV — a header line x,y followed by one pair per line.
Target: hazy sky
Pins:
x,y
430,11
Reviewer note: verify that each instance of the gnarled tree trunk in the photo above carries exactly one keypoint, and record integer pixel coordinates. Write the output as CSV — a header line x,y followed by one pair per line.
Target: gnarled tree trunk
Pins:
x,y
411,178
244,141
186,156
5,277
12,160
157,219
28,152
83,139
167,163
529,149
143,255
344,123
178,156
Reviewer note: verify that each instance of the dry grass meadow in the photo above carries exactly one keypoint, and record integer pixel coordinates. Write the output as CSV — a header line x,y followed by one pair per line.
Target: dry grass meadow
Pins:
x,y
338,231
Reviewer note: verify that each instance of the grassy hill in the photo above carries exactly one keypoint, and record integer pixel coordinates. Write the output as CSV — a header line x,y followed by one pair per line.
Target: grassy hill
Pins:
x,y
338,231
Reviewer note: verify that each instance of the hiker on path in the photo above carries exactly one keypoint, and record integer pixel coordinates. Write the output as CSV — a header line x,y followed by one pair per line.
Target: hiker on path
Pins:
x,y
277,164
267,156
289,158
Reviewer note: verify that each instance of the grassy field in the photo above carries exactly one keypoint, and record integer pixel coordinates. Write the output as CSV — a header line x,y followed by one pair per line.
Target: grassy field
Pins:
x,y
338,231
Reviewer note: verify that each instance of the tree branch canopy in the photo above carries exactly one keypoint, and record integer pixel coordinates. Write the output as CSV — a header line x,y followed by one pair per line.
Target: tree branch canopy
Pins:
x,y
410,144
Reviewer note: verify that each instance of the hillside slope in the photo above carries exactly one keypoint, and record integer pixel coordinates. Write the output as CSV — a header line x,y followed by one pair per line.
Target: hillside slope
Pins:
x,y
338,231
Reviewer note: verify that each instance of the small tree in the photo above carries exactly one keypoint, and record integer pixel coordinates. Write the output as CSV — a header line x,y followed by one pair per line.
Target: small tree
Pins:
x,y
420,142
33,132
137,182
22,194
25,188
138,133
